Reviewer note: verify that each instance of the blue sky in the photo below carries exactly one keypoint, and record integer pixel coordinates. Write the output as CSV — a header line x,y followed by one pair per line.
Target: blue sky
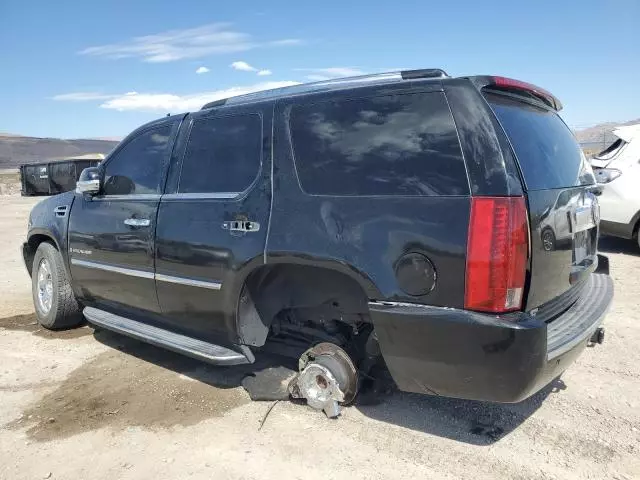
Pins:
x,y
98,69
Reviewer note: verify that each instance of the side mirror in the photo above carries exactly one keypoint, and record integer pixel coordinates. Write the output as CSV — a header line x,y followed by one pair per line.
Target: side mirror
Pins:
x,y
90,181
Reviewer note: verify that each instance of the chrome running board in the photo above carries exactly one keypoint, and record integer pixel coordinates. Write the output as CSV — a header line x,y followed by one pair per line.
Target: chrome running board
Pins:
x,y
160,337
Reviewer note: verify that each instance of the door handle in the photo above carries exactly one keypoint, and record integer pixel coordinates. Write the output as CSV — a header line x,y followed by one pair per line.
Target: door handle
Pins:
x,y
137,222
241,226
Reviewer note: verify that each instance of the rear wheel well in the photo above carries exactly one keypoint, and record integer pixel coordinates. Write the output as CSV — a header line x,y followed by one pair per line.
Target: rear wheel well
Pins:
x,y
304,304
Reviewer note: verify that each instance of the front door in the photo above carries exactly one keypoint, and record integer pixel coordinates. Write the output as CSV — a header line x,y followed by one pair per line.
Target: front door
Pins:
x,y
212,222
111,235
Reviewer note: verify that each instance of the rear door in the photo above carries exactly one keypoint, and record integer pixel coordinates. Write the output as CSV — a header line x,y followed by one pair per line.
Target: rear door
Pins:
x,y
563,211
212,224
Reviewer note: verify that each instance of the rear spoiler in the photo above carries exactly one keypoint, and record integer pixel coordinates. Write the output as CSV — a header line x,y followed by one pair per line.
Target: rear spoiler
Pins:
x,y
517,87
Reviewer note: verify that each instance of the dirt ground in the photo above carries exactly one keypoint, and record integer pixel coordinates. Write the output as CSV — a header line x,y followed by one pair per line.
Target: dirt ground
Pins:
x,y
84,404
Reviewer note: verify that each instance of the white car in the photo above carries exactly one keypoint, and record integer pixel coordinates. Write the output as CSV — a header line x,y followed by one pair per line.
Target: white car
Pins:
x,y
617,170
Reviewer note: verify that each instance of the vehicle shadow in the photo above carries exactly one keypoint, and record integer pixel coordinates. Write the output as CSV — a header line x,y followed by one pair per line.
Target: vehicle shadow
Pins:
x,y
472,422
268,366
618,245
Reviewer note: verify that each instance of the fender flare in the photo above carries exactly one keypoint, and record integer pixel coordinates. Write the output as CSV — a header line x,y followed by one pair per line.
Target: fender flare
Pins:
x,y
29,248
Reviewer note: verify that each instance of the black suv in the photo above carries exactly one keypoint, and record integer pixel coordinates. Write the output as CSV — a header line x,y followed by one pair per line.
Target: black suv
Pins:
x,y
447,226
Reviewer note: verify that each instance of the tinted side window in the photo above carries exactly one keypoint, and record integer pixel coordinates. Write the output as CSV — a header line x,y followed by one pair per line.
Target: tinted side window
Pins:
x,y
137,167
389,145
223,154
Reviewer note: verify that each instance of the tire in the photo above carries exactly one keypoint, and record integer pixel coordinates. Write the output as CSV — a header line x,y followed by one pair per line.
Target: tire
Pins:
x,y
55,304
548,240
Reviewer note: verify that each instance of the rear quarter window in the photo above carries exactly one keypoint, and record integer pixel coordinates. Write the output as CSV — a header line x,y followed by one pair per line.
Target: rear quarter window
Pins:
x,y
547,152
385,145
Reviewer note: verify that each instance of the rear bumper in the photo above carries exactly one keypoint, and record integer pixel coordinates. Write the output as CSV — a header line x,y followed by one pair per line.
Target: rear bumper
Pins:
x,y
463,354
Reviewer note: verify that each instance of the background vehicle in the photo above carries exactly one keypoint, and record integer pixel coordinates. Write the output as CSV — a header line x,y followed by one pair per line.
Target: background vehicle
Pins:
x,y
396,217
555,228
617,168
50,178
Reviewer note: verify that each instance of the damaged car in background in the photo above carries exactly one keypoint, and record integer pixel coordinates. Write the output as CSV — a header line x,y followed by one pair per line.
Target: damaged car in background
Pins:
x,y
617,170
400,219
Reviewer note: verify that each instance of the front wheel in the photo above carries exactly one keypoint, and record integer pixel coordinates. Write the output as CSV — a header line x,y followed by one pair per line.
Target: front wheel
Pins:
x,y
54,301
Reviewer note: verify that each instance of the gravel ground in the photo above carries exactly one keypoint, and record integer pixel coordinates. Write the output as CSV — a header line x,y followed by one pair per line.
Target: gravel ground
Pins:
x,y
85,404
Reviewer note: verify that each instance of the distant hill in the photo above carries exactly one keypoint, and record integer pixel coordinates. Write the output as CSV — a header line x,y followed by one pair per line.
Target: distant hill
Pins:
x,y
601,133
16,150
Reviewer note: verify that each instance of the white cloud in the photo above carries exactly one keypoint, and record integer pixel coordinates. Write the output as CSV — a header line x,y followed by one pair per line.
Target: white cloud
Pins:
x,y
287,42
202,70
243,66
168,102
81,96
172,45
319,74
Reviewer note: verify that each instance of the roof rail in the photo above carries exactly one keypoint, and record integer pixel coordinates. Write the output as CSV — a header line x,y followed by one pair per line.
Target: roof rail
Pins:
x,y
332,84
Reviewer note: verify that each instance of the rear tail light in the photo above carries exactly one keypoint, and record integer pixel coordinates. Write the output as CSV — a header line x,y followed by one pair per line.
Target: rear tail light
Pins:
x,y
497,254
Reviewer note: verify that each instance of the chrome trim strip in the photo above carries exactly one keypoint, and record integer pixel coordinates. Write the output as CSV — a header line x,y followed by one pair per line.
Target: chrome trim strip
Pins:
x,y
201,196
504,321
385,303
112,268
149,275
188,281
134,196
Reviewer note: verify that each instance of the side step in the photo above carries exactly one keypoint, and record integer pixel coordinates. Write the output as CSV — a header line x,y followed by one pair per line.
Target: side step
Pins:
x,y
175,342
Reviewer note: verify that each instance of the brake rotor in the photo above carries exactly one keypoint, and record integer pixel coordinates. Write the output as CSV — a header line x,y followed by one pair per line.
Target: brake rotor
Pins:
x,y
327,378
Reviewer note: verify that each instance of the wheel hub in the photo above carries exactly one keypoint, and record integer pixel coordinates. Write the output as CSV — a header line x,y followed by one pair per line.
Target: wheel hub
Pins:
x,y
327,379
44,286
